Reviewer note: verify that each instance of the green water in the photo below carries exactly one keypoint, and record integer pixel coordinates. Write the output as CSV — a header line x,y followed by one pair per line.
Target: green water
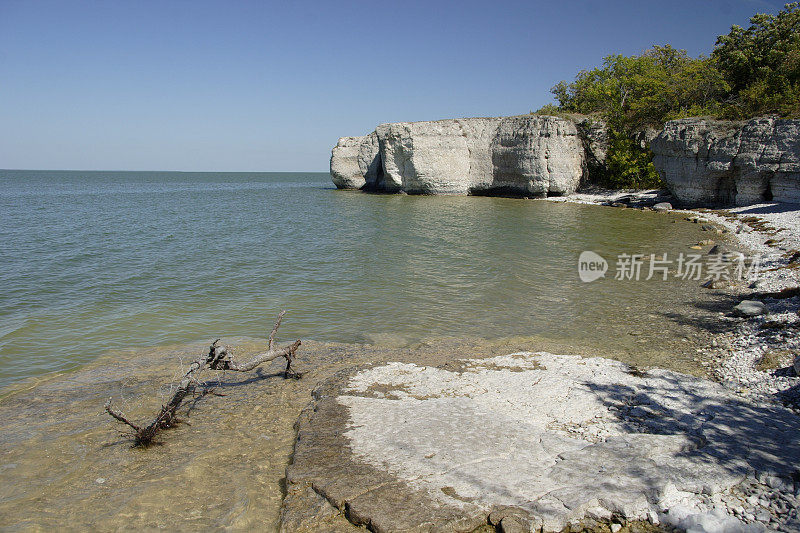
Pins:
x,y
93,261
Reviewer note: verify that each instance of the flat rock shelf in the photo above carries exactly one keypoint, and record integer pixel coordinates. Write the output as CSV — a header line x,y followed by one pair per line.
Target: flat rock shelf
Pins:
x,y
535,440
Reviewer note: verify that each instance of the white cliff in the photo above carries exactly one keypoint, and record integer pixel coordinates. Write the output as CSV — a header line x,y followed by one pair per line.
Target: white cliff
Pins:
x,y
354,161
526,155
703,162
706,162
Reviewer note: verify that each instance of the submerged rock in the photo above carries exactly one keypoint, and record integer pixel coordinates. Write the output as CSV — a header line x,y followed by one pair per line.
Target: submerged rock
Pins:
x,y
534,440
719,249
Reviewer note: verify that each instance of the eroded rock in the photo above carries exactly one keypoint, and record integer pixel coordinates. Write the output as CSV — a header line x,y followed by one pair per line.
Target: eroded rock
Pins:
x,y
345,171
750,308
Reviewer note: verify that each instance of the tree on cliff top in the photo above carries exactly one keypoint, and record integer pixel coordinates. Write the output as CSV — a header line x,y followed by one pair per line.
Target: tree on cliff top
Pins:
x,y
762,65
751,72
634,92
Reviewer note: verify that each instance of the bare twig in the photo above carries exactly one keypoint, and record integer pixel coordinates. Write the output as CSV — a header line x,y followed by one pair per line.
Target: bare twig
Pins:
x,y
218,358
275,329
119,416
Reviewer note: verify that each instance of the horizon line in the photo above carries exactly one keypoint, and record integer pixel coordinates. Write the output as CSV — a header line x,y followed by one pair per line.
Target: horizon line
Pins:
x,y
161,170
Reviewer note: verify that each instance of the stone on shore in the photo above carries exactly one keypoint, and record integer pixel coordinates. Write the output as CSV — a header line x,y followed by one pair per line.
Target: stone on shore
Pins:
x,y
662,206
533,440
750,308
719,249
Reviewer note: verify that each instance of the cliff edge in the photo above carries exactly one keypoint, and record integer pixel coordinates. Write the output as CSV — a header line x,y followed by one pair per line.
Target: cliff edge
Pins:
x,y
701,161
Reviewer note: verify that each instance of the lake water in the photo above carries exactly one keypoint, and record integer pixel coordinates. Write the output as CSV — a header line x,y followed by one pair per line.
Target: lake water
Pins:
x,y
95,261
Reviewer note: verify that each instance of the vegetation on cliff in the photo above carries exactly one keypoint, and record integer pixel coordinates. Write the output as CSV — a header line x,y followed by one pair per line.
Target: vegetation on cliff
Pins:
x,y
750,72
762,65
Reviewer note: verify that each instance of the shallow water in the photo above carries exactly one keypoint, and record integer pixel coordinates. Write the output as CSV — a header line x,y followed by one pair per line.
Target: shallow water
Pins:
x,y
65,467
94,261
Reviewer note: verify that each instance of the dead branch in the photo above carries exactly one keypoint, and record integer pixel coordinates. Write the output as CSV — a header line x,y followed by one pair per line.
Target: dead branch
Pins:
x,y
275,329
218,358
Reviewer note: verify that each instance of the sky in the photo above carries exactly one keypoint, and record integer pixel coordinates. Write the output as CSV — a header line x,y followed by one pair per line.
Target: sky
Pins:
x,y
270,86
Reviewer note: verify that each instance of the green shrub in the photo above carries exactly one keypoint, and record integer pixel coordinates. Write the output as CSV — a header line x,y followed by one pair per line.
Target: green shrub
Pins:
x,y
628,165
762,65
552,111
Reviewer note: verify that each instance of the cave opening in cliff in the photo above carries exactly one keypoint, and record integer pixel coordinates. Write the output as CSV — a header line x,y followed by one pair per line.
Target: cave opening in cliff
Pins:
x,y
767,196
726,190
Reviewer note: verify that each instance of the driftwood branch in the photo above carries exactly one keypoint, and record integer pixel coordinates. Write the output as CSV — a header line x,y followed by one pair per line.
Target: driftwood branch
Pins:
x,y
218,358
275,330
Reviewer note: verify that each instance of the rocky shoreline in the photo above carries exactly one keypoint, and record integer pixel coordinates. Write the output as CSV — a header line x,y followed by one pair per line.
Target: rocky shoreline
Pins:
x,y
702,161
538,442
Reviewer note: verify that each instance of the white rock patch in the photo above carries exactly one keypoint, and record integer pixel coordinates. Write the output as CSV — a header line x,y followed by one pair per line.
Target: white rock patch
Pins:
x,y
564,437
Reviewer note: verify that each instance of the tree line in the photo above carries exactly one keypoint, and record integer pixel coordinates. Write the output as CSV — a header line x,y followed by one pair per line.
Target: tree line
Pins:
x,y
751,72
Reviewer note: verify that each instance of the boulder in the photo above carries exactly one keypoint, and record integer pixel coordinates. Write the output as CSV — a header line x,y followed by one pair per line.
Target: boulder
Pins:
x,y
345,170
750,308
719,249
356,162
711,162
662,206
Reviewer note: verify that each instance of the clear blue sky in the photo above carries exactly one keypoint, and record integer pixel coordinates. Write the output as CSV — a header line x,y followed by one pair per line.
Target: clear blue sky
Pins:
x,y
263,86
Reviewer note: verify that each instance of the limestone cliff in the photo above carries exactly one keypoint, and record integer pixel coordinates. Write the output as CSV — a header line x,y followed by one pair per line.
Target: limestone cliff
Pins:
x,y
526,155
705,162
354,161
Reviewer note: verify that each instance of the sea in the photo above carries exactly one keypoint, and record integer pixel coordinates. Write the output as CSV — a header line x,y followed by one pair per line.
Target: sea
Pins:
x,y
96,261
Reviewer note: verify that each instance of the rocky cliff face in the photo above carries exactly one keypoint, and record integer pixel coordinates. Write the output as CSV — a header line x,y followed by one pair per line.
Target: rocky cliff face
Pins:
x,y
526,155
355,161
703,162
708,162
